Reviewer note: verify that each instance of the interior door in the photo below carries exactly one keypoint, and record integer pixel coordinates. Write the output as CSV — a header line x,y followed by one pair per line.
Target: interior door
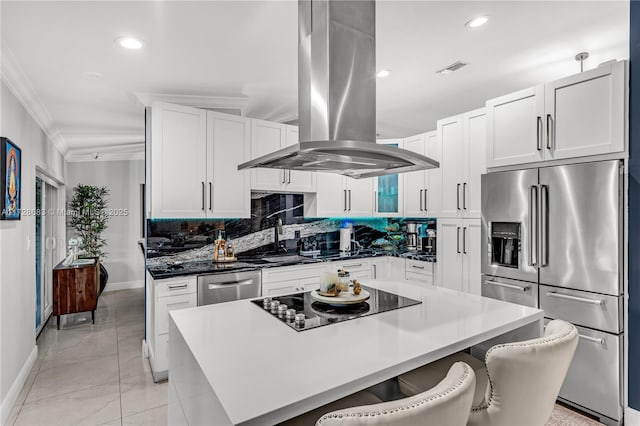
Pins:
x,y
581,227
509,201
50,248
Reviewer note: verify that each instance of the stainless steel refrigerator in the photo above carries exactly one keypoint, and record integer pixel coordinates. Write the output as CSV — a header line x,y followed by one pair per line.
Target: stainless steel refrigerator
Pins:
x,y
553,238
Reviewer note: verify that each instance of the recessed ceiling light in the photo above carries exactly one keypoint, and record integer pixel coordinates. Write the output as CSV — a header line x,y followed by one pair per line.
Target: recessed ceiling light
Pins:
x,y
383,73
129,43
477,22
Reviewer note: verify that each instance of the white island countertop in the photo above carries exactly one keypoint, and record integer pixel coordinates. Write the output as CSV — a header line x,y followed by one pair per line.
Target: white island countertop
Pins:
x,y
233,363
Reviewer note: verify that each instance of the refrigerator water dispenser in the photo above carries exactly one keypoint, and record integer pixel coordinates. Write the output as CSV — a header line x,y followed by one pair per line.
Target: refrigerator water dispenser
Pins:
x,y
505,244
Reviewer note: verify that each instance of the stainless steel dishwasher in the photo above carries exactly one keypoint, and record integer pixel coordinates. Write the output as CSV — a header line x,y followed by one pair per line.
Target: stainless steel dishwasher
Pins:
x,y
228,286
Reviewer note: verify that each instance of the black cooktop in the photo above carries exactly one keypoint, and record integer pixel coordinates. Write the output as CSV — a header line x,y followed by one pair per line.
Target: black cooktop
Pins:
x,y
318,314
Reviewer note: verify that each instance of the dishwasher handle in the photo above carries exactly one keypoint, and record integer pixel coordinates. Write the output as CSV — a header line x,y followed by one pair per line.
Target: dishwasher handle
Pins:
x,y
211,286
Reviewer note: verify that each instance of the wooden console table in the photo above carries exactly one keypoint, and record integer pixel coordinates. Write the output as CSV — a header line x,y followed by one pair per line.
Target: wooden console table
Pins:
x,y
75,289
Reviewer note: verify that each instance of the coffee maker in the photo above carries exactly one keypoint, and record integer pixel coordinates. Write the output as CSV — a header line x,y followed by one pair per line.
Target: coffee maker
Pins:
x,y
412,236
427,240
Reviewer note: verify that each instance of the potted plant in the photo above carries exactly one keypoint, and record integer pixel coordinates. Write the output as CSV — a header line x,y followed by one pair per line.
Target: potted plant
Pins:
x,y
88,217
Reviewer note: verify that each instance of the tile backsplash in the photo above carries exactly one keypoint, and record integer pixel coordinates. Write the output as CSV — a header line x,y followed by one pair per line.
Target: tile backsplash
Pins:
x,y
193,238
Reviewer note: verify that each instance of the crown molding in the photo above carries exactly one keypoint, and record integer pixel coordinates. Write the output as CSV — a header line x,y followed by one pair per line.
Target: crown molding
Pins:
x,y
196,101
17,81
92,141
109,152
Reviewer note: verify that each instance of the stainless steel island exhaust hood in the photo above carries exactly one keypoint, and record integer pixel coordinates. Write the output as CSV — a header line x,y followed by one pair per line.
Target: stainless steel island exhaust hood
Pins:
x,y
337,97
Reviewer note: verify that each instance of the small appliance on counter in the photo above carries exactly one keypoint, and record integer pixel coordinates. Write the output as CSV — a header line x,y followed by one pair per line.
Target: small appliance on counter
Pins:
x,y
412,236
427,241
345,241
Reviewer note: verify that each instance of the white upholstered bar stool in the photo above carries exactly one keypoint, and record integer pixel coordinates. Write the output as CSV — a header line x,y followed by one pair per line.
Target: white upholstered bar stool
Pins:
x,y
523,379
446,404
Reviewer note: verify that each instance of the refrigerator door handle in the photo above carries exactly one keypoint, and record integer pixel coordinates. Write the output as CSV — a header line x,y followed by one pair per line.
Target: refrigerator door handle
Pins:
x,y
598,302
544,225
509,286
533,236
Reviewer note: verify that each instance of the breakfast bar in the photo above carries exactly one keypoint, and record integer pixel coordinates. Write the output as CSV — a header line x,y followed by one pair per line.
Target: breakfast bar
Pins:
x,y
237,363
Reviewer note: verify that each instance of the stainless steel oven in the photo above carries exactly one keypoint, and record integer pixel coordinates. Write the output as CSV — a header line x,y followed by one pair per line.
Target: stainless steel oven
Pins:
x,y
228,286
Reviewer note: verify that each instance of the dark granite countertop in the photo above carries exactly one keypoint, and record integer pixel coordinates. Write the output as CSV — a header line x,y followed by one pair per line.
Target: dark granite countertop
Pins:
x,y
167,269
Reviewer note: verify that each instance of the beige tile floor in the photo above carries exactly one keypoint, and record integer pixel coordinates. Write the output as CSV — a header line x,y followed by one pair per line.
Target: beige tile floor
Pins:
x,y
95,375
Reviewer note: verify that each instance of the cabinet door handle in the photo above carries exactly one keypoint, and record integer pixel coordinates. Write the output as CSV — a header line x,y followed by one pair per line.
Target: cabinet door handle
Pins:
x,y
284,177
210,195
375,271
458,239
203,196
178,287
598,302
538,133
289,181
464,195
591,339
458,196
464,240
425,200
349,199
417,267
355,265
549,130
421,199
345,200
375,201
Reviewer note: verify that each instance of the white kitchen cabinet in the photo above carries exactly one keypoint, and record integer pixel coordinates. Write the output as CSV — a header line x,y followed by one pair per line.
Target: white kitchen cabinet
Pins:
x,y
423,189
267,137
458,258
585,113
291,279
228,144
359,269
421,272
388,189
462,140
178,161
194,158
380,268
297,181
576,116
340,196
164,296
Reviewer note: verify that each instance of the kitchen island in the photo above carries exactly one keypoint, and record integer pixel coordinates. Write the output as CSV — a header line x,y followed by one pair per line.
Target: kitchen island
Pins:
x,y
234,363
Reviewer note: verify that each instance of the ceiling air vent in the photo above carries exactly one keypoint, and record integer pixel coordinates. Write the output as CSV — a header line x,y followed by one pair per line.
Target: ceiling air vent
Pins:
x,y
451,68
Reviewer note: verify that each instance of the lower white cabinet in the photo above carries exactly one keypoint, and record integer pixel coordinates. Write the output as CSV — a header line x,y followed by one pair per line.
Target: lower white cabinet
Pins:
x,y
421,272
164,296
458,265
291,279
359,269
380,268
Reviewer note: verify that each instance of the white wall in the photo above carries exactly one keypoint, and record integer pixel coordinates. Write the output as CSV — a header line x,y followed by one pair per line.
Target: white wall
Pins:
x,y
124,260
17,248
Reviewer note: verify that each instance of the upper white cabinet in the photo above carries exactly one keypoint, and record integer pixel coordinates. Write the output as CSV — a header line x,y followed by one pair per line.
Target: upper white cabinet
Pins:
x,y
178,161
228,141
422,189
340,196
194,157
576,116
267,137
462,140
388,189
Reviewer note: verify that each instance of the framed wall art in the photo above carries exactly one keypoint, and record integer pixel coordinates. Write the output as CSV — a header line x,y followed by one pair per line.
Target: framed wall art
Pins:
x,y
10,179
